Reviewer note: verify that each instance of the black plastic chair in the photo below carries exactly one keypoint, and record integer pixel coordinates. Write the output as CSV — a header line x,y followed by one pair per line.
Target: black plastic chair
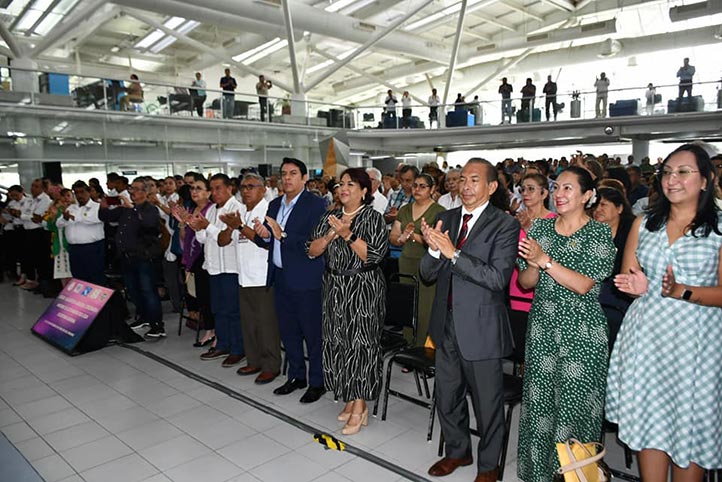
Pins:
x,y
512,385
402,296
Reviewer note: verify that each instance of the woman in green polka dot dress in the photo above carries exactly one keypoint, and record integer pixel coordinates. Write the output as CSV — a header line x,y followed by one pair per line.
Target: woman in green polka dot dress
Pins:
x,y
565,260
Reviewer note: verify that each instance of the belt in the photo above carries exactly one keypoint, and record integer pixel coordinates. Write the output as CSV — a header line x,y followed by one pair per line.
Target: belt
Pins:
x,y
352,272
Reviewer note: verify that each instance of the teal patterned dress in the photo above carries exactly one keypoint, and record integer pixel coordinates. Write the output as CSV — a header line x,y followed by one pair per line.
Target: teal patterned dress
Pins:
x,y
566,350
665,376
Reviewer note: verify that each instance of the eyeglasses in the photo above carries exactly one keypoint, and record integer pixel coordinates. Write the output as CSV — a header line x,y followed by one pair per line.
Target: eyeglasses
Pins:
x,y
529,189
248,187
718,166
420,186
681,174
197,188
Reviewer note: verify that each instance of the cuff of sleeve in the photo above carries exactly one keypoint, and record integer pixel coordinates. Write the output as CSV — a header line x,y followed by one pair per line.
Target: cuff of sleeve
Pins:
x,y
434,253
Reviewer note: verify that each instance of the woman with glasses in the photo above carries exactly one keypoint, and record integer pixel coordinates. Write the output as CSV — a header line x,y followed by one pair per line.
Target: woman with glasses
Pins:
x,y
199,301
665,376
564,259
406,232
534,192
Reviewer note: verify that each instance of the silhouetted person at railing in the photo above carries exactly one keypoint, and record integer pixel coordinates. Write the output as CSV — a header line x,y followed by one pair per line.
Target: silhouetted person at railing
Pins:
x,y
133,94
528,92
602,86
406,110
198,94
459,103
505,90
550,90
434,102
685,74
390,103
228,85
262,88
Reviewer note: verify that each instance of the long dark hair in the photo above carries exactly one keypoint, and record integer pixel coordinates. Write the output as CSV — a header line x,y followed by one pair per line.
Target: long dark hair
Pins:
x,y
616,197
707,216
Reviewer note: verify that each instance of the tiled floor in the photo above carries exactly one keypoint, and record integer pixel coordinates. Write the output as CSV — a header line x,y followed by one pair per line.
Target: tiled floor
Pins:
x,y
117,415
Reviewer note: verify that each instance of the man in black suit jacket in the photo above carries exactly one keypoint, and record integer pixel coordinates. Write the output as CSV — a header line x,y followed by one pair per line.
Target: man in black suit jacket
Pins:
x,y
295,278
471,256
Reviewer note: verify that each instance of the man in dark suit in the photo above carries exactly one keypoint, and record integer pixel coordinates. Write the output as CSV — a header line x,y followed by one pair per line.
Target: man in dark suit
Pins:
x,y
296,279
471,256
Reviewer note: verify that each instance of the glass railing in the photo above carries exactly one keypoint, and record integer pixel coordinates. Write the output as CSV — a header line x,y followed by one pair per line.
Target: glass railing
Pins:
x,y
159,99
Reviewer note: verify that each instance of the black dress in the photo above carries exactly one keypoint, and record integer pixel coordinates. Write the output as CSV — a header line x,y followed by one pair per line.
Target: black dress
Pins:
x,y
354,307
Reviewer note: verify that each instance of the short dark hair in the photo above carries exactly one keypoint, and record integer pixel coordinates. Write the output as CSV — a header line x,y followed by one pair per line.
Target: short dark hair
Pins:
x,y
221,177
583,177
112,176
16,188
296,162
80,185
177,177
621,175
123,180
406,168
361,177
500,197
636,169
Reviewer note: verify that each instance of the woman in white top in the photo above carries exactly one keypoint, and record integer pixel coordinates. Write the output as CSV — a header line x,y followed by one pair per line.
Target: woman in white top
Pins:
x,y
406,110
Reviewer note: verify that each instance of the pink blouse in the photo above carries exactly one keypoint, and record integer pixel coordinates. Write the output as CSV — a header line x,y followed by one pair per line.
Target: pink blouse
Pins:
x,y
521,298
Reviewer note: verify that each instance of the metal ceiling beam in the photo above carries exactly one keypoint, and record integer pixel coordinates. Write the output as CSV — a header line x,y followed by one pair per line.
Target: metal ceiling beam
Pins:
x,y
202,47
42,17
504,67
94,23
327,24
511,4
66,26
455,51
563,5
494,21
375,39
288,20
9,39
368,75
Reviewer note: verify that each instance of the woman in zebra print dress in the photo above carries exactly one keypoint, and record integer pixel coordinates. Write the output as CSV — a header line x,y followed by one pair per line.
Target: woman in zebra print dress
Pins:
x,y
353,240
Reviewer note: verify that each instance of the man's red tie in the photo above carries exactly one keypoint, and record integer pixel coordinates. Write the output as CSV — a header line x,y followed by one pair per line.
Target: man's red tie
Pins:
x,y
459,244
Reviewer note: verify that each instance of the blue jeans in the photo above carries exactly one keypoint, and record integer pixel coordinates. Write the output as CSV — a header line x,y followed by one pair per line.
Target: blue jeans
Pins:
x,y
226,308
506,109
139,276
229,104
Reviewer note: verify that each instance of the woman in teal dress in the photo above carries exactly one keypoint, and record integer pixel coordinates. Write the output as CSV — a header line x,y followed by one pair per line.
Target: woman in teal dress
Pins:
x,y
665,376
565,259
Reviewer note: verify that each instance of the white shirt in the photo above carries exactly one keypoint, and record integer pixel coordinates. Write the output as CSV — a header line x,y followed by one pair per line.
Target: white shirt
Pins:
x,y
475,215
448,202
165,201
85,228
406,102
434,100
38,205
218,259
380,202
271,194
252,260
12,204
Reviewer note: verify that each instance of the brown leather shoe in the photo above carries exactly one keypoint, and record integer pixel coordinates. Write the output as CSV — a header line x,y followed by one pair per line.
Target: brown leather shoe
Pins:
x,y
266,377
212,354
248,370
447,465
488,476
232,360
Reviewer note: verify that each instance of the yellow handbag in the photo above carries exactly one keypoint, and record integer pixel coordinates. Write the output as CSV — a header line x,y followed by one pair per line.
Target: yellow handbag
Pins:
x,y
581,462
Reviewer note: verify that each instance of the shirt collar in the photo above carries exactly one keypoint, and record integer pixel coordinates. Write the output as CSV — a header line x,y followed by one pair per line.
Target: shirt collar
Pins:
x,y
476,213
284,199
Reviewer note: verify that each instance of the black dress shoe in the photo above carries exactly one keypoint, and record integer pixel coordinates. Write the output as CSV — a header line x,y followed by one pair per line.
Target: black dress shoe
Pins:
x,y
312,394
290,385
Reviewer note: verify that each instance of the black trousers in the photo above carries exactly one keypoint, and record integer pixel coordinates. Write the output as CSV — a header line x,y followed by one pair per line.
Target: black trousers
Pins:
x,y
38,263
551,101
685,86
198,101
13,249
455,377
87,262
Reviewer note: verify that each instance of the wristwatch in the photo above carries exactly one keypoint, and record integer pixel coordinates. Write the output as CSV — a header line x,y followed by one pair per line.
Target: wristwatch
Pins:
x,y
546,265
686,294
283,236
352,239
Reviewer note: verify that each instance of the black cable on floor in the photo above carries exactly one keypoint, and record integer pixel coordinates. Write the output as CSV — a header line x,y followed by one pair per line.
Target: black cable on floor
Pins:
x,y
279,415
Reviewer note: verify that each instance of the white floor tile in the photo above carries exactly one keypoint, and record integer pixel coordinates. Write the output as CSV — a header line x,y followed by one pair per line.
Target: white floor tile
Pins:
x,y
43,406
84,457
58,420
34,449
53,468
209,468
148,435
76,435
253,451
131,468
174,452
18,432
295,467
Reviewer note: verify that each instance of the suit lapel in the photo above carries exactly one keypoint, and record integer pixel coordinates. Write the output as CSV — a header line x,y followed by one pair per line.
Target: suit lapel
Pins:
x,y
454,220
479,224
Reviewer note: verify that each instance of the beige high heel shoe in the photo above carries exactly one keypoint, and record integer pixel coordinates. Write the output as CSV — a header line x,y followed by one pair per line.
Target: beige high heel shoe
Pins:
x,y
343,416
363,419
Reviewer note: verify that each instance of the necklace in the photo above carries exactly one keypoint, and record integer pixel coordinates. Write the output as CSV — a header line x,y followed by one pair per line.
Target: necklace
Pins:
x,y
343,209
